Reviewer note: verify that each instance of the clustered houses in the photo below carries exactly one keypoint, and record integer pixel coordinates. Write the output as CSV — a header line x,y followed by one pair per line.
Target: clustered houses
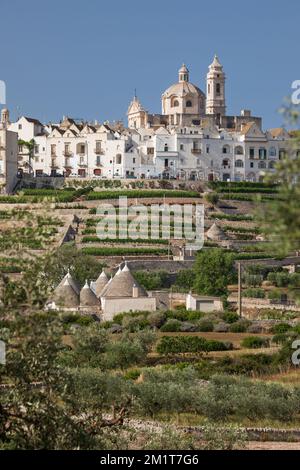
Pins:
x,y
193,138
104,297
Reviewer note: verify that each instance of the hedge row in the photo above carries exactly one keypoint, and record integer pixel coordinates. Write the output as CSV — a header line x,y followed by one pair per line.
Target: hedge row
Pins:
x,y
190,344
118,251
232,217
92,196
150,241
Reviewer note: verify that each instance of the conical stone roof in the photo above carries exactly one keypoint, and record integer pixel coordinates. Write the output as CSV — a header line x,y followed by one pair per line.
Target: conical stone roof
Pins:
x,y
87,297
72,282
65,294
122,285
101,282
215,233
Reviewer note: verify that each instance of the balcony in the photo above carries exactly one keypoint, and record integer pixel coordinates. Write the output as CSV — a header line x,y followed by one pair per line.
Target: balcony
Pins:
x,y
98,163
166,154
67,164
82,163
196,151
98,151
67,153
54,164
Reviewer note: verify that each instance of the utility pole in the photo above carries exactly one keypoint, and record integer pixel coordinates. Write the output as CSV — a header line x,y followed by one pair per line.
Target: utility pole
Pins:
x,y
240,305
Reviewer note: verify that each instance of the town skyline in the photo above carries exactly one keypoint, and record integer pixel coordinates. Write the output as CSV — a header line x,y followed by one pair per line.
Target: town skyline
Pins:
x,y
75,67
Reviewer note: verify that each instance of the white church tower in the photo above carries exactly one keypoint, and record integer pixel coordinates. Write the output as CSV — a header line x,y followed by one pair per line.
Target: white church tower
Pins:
x,y
215,97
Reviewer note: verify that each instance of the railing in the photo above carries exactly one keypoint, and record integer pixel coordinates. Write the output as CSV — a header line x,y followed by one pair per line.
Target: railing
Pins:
x,y
98,151
82,163
196,151
98,163
67,153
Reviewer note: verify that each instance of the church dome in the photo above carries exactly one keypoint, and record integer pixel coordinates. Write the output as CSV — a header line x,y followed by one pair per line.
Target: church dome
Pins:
x,y
182,89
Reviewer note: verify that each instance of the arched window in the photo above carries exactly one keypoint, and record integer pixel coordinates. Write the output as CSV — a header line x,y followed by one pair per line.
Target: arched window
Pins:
x,y
225,163
218,88
239,150
175,104
272,152
226,149
189,104
262,165
239,164
208,89
166,148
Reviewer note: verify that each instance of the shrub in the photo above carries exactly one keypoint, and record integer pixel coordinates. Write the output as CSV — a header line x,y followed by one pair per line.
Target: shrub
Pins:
x,y
190,344
221,328
205,326
212,198
171,326
156,319
255,342
254,293
281,328
239,326
230,317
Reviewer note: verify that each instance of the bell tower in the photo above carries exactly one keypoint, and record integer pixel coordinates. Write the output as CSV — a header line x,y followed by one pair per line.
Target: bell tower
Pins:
x,y
215,98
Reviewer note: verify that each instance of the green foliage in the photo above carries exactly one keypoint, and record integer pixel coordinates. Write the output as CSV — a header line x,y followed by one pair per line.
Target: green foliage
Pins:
x,y
212,198
93,196
239,326
114,251
171,326
205,326
281,328
214,271
255,342
189,344
254,293
152,280
230,317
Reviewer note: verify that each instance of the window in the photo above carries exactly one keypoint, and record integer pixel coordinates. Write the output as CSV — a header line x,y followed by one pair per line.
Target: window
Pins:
x,y
208,88
282,154
166,148
175,104
262,165
118,159
218,89
251,164
20,148
181,147
207,149
262,153
189,104
251,152
150,151
272,152
133,160
271,165
239,164
20,127
226,149
239,150
36,149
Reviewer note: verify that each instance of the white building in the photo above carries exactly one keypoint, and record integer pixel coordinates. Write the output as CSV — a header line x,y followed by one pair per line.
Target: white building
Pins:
x,y
8,154
193,138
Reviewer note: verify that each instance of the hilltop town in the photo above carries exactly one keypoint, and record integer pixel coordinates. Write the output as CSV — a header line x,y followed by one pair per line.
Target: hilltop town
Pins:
x,y
148,328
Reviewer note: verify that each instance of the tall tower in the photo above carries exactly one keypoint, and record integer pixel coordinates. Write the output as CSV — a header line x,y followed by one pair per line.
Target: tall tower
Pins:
x,y
215,98
4,118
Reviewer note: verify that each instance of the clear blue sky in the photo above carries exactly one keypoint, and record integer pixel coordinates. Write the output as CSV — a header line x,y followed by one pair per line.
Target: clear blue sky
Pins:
x,y
85,58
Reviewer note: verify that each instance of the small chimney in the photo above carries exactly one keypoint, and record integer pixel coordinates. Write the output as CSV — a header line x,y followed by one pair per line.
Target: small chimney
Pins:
x,y
246,113
135,291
